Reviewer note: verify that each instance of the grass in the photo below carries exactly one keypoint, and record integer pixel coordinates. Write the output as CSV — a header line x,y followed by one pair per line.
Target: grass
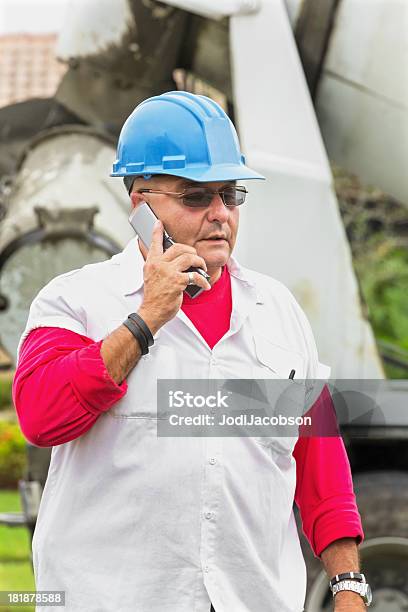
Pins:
x,y
15,545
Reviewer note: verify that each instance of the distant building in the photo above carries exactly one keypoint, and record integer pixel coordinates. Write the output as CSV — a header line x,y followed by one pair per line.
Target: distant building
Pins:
x,y
28,67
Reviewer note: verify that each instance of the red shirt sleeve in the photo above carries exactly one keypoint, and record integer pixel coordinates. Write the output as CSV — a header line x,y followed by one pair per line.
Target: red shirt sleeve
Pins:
x,y
324,486
61,386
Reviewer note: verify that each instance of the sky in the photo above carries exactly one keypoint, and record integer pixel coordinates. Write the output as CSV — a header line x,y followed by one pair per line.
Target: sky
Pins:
x,y
31,16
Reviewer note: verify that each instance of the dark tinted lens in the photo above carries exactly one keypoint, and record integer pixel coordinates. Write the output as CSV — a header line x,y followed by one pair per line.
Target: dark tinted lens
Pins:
x,y
197,197
234,197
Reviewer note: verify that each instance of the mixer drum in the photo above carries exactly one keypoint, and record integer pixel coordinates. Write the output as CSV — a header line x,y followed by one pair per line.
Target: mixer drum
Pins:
x,y
63,211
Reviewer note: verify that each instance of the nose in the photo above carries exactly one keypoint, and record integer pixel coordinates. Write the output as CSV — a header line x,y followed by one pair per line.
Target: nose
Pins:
x,y
217,211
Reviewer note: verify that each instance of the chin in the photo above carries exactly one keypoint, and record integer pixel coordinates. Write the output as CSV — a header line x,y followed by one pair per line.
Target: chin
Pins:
x,y
216,262
215,257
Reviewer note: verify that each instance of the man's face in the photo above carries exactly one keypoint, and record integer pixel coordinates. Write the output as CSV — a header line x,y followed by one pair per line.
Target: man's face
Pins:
x,y
193,226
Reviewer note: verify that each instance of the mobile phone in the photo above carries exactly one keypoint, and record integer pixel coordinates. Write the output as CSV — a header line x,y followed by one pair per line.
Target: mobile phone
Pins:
x,y
142,219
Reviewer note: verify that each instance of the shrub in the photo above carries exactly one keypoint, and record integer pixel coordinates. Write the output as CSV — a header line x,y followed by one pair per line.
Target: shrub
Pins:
x,y
5,390
12,454
377,228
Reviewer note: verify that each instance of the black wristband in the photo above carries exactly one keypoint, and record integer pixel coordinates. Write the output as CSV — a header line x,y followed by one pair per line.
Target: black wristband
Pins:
x,y
138,319
133,322
138,334
347,576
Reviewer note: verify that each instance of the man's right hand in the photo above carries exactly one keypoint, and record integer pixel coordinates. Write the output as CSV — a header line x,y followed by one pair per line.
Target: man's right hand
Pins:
x,y
164,279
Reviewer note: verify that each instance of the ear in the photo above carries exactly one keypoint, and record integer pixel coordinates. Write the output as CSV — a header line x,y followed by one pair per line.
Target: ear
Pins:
x,y
136,198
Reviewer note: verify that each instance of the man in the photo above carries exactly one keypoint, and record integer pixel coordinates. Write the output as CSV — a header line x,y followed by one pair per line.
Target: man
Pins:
x,y
133,521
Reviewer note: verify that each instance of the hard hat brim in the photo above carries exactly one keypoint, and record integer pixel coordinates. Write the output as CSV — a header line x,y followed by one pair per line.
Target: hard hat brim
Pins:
x,y
202,175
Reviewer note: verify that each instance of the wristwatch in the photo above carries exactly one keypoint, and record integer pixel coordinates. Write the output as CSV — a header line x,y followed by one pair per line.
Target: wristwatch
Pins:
x,y
352,581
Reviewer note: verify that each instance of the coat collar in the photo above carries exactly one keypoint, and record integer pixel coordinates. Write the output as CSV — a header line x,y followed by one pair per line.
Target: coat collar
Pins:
x,y
131,271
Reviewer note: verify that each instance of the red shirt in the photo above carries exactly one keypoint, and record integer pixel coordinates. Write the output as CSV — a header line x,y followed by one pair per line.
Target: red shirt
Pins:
x,y
61,386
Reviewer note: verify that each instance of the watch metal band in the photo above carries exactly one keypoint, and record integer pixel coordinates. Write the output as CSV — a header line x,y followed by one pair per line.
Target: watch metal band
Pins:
x,y
347,585
360,588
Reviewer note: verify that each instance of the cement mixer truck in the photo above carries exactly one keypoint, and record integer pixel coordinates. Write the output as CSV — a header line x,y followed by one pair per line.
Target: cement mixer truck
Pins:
x,y
275,65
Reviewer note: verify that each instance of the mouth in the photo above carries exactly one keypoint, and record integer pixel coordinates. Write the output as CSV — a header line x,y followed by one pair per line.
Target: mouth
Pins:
x,y
216,239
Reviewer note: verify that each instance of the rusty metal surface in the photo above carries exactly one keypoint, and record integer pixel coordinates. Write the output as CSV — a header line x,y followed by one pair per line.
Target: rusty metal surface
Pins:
x,y
206,53
312,34
21,122
107,77
104,86
62,212
63,168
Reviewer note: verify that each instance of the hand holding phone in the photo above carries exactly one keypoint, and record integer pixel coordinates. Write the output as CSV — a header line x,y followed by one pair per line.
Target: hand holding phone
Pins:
x,y
143,220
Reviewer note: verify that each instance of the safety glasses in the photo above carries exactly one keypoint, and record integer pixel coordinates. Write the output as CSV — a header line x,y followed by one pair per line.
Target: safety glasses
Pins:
x,y
201,197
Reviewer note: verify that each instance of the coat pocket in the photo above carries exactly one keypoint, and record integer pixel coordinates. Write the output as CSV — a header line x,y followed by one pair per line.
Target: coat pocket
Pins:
x,y
285,397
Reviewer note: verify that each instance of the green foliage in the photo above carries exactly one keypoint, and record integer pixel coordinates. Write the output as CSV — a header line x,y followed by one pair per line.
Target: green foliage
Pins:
x,y
377,229
5,390
12,454
383,274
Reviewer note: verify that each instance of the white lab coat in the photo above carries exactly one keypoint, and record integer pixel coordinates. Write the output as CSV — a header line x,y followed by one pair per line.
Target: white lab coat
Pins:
x,y
134,522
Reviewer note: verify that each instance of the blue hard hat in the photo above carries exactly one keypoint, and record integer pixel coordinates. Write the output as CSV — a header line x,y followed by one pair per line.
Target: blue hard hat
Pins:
x,y
181,134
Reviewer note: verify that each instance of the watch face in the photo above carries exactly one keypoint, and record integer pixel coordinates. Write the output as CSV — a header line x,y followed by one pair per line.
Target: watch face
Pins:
x,y
368,594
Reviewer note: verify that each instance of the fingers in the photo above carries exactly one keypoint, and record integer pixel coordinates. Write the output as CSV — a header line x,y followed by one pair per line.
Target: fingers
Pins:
x,y
198,280
177,249
186,260
156,247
